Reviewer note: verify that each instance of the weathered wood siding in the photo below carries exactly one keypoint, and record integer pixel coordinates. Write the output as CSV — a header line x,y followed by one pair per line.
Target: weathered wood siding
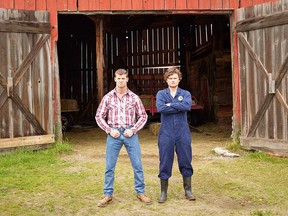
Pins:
x,y
26,79
263,60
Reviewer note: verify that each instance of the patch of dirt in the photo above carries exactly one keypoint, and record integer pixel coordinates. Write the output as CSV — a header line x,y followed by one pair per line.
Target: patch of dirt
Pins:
x,y
89,146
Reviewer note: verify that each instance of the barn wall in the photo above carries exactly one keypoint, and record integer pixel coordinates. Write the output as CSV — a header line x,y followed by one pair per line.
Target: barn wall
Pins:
x,y
175,6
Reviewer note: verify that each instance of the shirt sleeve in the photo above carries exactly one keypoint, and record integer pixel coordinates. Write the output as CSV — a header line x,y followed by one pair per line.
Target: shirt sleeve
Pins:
x,y
101,114
161,104
141,116
185,104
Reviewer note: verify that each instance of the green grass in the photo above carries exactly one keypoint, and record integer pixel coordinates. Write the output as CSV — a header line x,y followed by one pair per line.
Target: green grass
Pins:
x,y
50,182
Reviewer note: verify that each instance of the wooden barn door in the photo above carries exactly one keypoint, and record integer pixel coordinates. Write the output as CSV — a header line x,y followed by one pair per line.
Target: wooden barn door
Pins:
x,y
263,63
26,111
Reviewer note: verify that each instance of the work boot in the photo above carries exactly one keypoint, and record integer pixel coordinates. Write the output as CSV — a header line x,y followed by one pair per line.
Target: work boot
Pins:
x,y
143,198
187,188
164,187
104,201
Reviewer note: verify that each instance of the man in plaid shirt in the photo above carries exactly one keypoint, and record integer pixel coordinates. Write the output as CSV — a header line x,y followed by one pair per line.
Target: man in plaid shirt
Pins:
x,y
121,115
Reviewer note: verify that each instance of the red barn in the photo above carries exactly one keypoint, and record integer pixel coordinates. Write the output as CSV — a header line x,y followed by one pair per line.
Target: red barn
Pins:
x,y
232,53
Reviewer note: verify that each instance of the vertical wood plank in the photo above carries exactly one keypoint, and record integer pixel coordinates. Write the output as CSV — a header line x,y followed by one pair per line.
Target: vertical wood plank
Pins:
x,y
171,4
115,5
99,56
19,4
83,5
181,4
226,4
246,3
216,4
255,2
29,5
138,4
205,4
234,4
93,5
72,5
8,4
104,4
52,8
148,4
126,4
41,4
62,5
192,4
159,4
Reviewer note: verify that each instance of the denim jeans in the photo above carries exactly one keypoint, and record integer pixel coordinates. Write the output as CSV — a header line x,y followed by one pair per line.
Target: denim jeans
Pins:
x,y
113,147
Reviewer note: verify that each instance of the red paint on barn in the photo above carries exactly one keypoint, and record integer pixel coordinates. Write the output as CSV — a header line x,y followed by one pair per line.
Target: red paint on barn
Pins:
x,y
178,6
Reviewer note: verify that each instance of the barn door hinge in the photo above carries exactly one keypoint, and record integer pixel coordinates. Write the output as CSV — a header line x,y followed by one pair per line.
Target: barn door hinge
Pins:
x,y
9,86
271,84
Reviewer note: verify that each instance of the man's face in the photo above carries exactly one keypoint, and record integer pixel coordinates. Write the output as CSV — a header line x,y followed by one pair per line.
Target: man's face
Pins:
x,y
121,80
173,80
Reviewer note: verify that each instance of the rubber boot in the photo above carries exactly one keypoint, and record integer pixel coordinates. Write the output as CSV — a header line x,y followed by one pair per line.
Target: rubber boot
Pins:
x,y
164,187
187,188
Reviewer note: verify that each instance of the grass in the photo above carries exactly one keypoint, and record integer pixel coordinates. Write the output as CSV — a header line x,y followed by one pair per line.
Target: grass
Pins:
x,y
56,182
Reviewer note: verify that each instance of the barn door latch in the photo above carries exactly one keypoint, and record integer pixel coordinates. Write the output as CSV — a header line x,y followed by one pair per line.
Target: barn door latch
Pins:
x,y
9,86
271,84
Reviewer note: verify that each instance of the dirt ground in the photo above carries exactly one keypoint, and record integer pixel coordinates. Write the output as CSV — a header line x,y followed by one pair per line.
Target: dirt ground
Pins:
x,y
89,145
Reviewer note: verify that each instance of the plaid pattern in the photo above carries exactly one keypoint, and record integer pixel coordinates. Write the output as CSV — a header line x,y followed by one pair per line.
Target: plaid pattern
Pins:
x,y
124,112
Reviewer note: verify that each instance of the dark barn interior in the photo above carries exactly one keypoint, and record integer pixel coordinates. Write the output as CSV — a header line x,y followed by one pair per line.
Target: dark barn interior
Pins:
x,y
147,45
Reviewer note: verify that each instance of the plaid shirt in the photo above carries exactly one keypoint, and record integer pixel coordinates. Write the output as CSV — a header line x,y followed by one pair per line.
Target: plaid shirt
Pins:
x,y
124,112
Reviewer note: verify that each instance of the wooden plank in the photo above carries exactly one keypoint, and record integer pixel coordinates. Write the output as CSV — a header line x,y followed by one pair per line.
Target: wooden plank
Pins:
x,y
29,116
276,19
29,59
52,8
83,5
62,5
246,3
19,4
93,5
29,5
72,5
171,4
126,4
267,145
268,99
193,4
104,5
138,5
234,4
115,5
8,4
27,141
205,4
99,56
181,4
216,4
148,4
226,4
159,4
41,5
25,27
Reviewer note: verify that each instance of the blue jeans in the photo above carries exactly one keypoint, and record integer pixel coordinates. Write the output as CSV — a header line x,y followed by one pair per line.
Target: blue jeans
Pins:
x,y
113,147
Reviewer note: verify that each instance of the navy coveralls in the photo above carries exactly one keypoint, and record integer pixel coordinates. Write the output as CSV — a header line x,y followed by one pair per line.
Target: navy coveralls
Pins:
x,y
174,132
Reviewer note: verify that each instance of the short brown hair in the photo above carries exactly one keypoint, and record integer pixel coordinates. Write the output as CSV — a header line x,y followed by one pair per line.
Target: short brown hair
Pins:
x,y
172,70
121,71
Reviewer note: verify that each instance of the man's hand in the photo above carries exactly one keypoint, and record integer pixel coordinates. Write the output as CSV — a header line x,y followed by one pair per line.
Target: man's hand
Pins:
x,y
114,133
128,133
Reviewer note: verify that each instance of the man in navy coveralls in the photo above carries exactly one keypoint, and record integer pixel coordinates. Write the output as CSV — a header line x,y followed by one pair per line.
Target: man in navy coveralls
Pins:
x,y
173,103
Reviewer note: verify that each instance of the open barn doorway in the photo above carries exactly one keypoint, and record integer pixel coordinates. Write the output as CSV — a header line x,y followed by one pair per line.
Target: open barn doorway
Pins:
x,y
147,45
